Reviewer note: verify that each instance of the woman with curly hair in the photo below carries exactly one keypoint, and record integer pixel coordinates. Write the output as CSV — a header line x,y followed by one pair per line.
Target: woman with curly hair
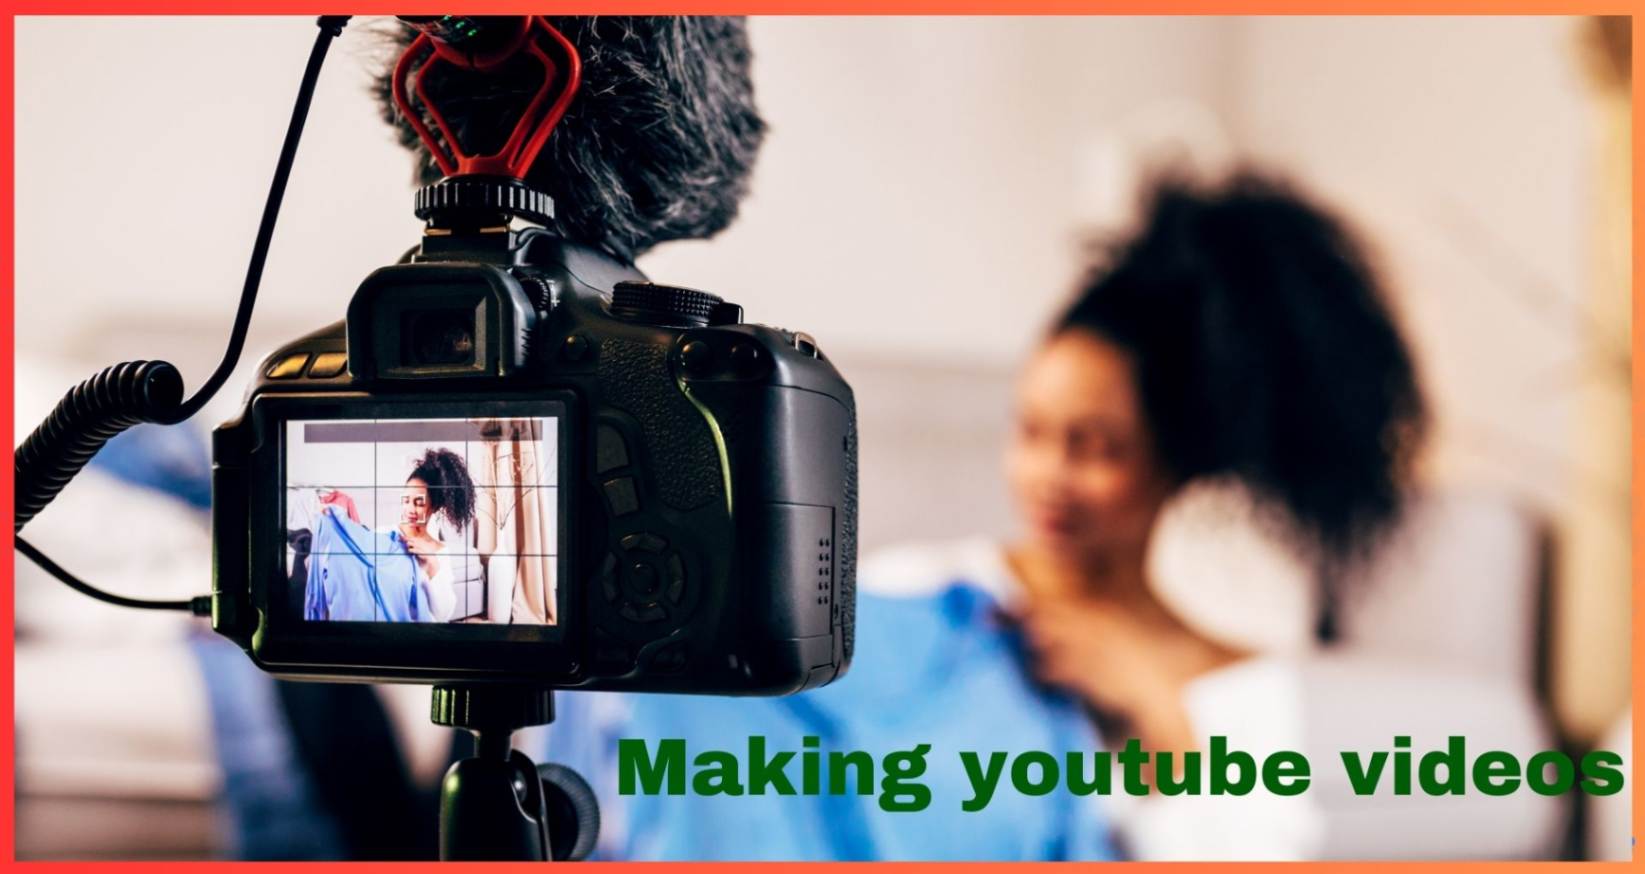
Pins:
x,y
376,586
1210,445
439,485
1231,369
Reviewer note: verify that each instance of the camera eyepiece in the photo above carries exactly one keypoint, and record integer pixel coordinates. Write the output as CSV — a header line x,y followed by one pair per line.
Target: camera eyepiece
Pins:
x,y
438,337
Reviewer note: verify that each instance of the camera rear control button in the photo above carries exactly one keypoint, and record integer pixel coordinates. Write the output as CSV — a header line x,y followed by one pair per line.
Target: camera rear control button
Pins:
x,y
644,542
621,496
610,452
289,367
670,658
648,612
576,347
328,364
642,579
745,359
676,579
697,356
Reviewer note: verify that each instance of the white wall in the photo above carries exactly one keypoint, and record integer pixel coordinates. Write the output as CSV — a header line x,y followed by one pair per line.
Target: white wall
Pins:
x,y
920,201
896,145
919,194
145,147
1462,148
141,180
917,201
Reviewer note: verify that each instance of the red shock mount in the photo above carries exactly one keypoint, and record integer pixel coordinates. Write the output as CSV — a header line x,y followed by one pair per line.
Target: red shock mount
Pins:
x,y
531,35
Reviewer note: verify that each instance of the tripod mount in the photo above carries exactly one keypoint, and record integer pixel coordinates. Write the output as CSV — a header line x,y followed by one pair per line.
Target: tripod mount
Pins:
x,y
497,805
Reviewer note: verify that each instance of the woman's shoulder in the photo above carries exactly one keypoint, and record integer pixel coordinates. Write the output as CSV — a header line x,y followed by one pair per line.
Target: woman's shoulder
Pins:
x,y
1230,569
928,568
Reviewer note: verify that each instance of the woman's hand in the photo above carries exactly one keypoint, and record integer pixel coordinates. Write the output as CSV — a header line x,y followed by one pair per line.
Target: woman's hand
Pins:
x,y
335,498
422,547
1132,661
425,549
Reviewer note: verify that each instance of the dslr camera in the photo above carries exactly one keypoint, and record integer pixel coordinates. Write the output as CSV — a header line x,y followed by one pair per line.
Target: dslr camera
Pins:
x,y
518,461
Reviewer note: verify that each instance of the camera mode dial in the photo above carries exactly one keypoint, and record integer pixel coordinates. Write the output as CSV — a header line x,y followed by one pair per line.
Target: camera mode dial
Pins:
x,y
663,304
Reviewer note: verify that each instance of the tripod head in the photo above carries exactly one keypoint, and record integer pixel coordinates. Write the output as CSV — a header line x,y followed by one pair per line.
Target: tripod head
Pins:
x,y
497,805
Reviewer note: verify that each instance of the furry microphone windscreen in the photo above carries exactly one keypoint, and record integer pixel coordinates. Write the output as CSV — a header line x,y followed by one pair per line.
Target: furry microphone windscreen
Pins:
x,y
657,145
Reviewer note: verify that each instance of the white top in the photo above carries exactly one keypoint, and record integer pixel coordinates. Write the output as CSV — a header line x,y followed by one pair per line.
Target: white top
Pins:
x,y
442,594
1232,583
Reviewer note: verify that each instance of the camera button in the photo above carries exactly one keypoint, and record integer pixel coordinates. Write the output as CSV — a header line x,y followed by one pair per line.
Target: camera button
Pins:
x,y
575,348
621,496
650,612
644,579
328,364
745,359
610,452
670,658
697,356
289,367
805,345
644,542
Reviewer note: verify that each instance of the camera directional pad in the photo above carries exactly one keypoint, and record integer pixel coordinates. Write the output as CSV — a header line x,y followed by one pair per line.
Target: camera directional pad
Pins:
x,y
645,579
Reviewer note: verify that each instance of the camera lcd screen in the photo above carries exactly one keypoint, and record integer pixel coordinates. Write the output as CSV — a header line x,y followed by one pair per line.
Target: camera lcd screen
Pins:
x,y
423,520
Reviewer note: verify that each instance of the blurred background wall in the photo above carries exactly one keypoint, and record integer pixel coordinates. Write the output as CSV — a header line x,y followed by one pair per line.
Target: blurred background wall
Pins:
x,y
920,208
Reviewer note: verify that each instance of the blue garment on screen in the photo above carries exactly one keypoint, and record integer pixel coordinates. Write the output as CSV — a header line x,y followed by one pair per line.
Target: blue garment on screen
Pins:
x,y
936,670
356,574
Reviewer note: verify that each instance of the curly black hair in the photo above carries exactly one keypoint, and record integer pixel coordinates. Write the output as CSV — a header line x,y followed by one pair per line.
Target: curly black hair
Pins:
x,y
449,488
657,145
1264,351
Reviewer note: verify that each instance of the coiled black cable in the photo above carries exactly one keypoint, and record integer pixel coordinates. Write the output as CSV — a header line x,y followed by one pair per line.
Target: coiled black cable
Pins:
x,y
90,415
128,394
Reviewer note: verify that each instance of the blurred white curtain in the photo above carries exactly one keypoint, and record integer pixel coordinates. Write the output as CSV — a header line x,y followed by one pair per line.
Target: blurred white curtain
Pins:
x,y
511,522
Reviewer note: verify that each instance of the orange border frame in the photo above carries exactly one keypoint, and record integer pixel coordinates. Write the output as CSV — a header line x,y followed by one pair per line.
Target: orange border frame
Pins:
x,y
792,7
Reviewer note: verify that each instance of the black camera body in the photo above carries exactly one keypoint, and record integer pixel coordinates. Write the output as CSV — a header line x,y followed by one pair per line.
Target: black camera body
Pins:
x,y
701,515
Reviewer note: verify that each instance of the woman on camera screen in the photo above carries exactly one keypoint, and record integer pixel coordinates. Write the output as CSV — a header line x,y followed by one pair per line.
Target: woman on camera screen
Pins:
x,y
396,574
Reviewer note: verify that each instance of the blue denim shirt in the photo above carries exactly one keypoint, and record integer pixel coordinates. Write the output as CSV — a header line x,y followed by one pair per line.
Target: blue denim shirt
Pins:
x,y
935,669
359,575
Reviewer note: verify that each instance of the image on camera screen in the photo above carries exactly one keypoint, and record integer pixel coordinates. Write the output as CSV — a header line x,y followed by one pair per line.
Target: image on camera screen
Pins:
x,y
423,520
